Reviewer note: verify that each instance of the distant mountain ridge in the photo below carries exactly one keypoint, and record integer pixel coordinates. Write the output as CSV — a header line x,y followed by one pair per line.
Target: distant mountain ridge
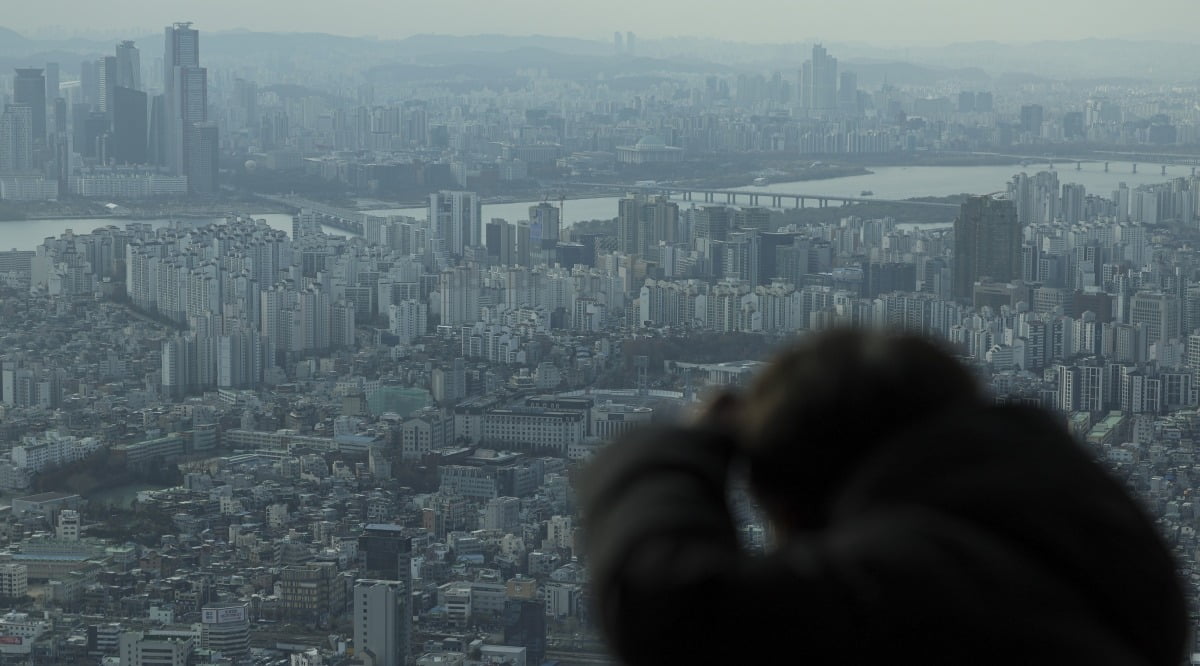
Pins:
x,y
1100,59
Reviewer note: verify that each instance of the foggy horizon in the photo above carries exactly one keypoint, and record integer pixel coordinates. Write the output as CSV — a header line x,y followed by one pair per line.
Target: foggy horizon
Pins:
x,y
924,23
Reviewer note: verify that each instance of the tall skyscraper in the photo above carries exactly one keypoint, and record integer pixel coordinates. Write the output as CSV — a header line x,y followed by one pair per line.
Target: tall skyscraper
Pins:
x,y
501,242
92,134
182,49
53,91
185,95
29,89
129,66
59,116
987,243
245,96
1074,196
106,71
659,222
818,82
544,224
190,103
628,224
742,255
16,139
88,83
712,223
642,222
203,157
1159,313
156,149
455,219
129,126
382,621
847,93
1032,116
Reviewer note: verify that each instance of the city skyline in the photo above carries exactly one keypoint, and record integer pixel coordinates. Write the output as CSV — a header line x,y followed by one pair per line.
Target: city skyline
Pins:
x,y
926,22
309,344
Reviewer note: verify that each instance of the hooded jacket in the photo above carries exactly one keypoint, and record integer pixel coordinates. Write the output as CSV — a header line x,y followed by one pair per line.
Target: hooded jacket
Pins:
x,y
986,536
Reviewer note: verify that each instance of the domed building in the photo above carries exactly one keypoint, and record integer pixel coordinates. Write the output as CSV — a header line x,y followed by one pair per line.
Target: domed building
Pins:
x,y
649,149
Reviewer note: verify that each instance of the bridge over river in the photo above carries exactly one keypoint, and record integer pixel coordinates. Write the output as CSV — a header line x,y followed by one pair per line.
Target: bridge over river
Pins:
x,y
778,200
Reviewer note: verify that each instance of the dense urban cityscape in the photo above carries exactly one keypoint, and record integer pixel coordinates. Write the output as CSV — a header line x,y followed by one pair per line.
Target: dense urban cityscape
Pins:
x,y
277,388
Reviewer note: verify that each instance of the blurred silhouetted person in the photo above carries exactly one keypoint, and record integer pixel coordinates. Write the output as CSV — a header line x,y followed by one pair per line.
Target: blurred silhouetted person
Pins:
x,y
915,522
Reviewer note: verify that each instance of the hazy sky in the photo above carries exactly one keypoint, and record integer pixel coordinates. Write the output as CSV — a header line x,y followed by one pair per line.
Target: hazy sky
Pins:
x,y
879,21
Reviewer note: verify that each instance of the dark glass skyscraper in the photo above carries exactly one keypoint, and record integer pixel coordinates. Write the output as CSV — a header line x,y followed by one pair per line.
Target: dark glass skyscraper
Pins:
x,y
525,626
129,126
987,243
203,158
129,66
385,552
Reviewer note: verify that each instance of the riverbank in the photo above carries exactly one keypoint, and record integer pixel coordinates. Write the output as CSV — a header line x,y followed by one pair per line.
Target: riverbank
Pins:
x,y
718,171
23,211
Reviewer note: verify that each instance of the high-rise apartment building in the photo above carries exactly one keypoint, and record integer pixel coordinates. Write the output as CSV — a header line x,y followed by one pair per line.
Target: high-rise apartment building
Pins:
x,y
987,243
454,219
643,222
1159,313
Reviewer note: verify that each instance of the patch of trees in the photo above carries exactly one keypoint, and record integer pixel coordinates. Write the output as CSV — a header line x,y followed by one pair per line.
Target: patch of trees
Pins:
x,y
144,526
271,181
103,470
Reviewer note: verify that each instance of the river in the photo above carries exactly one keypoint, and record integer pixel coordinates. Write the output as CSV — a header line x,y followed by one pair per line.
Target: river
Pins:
x,y
892,182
